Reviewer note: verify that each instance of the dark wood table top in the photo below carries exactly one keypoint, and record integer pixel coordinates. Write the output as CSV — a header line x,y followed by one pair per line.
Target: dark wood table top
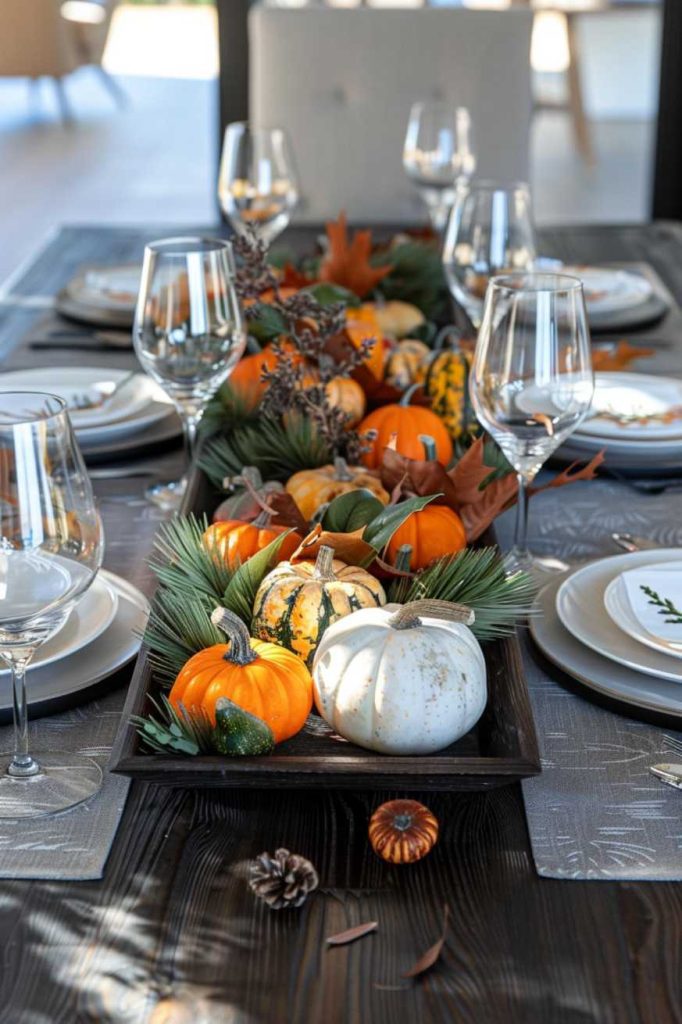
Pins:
x,y
172,934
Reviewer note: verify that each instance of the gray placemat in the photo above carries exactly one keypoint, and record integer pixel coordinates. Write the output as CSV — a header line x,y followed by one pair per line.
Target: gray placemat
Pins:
x,y
594,812
73,845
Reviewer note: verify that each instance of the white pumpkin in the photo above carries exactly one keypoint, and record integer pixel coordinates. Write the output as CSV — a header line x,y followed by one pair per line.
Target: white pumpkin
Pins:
x,y
400,681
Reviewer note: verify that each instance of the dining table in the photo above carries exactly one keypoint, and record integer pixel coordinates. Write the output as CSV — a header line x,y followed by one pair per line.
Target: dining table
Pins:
x,y
172,933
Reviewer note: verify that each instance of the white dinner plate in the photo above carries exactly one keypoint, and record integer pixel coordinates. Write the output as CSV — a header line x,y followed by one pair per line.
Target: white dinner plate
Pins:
x,y
594,671
88,620
608,290
580,607
656,401
70,383
112,288
619,608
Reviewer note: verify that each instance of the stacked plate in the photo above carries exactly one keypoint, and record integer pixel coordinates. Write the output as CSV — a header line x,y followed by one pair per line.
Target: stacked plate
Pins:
x,y
600,626
103,296
113,412
637,418
618,299
100,636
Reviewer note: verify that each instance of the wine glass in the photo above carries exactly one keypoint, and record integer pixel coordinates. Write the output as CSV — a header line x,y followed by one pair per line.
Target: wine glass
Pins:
x,y
257,182
490,231
188,331
438,152
531,382
51,547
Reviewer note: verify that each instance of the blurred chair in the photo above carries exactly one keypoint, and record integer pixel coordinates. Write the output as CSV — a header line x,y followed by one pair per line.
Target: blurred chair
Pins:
x,y
43,38
341,82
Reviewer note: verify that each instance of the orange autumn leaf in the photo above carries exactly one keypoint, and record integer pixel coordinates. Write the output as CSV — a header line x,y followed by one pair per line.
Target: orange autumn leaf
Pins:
x,y
348,547
610,359
348,263
571,474
478,515
469,473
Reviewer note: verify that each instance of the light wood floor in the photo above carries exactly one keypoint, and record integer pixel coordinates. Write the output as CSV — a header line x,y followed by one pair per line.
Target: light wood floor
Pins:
x,y
156,162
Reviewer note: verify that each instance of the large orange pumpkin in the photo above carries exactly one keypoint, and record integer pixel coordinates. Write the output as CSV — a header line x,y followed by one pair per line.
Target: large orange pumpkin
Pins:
x,y
262,678
407,422
233,540
431,533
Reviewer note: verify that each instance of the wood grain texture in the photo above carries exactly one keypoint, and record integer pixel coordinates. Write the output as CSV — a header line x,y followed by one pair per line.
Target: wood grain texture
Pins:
x,y
173,935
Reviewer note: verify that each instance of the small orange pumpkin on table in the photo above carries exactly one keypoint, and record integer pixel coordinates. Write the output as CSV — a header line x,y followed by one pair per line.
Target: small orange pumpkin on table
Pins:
x,y
261,678
403,831
234,541
404,423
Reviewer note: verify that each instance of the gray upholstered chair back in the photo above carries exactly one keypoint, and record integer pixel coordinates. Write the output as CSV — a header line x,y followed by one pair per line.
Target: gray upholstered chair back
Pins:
x,y
341,81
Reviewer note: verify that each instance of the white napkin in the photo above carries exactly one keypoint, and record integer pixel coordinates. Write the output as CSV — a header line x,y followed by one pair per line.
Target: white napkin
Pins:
x,y
667,582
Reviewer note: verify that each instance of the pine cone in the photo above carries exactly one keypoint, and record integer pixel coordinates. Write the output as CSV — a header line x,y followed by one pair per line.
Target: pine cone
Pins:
x,y
282,880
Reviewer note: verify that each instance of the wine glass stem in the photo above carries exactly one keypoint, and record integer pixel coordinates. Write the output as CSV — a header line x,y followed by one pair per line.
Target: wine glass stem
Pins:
x,y
190,427
22,764
521,535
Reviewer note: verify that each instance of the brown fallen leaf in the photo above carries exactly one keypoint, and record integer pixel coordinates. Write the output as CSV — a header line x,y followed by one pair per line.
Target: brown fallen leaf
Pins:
x,y
570,475
351,934
493,500
348,547
429,958
417,476
285,512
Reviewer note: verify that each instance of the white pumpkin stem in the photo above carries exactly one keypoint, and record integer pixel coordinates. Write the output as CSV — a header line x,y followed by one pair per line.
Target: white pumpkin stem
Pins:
x,y
429,446
241,652
341,471
324,563
408,617
250,473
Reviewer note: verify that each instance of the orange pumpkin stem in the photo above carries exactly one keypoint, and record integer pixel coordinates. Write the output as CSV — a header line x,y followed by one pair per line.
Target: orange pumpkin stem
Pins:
x,y
241,652
408,616
324,563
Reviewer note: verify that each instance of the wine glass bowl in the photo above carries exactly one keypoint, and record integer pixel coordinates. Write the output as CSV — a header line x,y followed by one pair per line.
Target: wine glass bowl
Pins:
x,y
437,153
490,232
51,548
257,186
532,381
188,331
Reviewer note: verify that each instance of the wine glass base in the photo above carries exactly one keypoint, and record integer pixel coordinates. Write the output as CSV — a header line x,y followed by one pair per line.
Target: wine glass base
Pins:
x,y
538,567
167,496
64,781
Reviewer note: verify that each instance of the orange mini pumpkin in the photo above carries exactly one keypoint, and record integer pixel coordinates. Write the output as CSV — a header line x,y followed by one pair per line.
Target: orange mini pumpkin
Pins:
x,y
403,831
233,540
362,324
262,678
407,423
431,533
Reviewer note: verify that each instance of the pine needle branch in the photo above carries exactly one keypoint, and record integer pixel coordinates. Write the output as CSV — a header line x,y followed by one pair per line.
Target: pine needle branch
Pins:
x,y
665,606
175,732
187,566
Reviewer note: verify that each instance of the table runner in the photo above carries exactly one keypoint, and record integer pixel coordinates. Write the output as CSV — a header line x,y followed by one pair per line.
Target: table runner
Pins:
x,y
595,812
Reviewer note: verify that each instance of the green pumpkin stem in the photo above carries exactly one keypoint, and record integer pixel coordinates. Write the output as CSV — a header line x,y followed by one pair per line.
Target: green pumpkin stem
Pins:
x,y
341,471
241,652
407,395
324,564
408,616
429,446
403,557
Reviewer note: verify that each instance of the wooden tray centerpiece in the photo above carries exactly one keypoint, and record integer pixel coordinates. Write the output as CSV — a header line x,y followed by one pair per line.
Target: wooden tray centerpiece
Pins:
x,y
403,500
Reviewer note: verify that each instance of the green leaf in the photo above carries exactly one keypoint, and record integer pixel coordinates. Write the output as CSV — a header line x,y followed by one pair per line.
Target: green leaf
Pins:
x,y
494,457
478,578
187,566
238,733
381,529
265,322
416,276
332,294
350,511
240,594
174,732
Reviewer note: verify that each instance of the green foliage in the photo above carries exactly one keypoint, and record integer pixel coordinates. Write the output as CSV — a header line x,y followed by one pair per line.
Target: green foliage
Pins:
x,y
382,528
173,732
226,411
476,577
351,511
277,450
328,294
494,457
417,277
240,594
178,627
665,606
265,322
186,566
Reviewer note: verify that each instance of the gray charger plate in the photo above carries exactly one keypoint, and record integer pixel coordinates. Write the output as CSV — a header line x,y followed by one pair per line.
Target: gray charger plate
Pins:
x,y
648,464
91,670
83,313
622,688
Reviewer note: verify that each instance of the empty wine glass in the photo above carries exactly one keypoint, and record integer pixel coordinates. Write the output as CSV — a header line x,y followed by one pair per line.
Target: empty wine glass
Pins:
x,y
257,182
51,548
531,382
490,231
438,152
188,331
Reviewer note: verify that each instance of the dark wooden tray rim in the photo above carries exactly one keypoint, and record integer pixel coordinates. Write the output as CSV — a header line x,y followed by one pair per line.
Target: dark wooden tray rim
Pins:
x,y
500,750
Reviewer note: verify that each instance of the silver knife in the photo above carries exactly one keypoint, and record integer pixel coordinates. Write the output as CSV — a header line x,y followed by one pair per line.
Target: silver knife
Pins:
x,y
628,542
668,773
